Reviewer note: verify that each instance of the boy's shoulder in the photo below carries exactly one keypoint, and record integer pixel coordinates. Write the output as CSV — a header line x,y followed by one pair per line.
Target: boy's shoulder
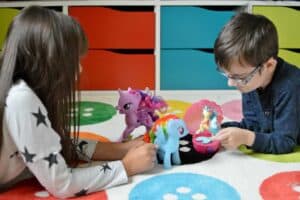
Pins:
x,y
286,77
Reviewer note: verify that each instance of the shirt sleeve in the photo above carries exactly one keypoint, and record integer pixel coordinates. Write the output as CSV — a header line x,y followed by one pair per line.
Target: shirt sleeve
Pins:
x,y
40,147
85,149
283,137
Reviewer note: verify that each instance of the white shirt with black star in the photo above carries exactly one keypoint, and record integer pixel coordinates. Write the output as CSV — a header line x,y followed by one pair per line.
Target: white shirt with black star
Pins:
x,y
30,141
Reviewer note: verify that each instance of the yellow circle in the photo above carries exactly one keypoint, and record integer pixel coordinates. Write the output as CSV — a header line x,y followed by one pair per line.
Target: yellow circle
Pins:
x,y
177,107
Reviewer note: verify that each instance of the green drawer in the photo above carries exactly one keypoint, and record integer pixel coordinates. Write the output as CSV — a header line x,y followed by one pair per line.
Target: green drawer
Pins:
x,y
290,56
6,16
286,21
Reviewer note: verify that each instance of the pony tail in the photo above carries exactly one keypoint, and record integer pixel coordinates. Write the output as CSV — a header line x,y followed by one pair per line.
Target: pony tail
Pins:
x,y
8,59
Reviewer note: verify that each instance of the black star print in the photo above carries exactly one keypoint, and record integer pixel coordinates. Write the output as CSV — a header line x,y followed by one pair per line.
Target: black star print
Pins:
x,y
40,118
81,145
28,156
14,154
51,159
81,193
105,167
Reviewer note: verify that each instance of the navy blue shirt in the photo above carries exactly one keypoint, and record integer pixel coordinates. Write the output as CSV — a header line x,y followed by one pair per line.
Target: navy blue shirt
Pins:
x,y
273,113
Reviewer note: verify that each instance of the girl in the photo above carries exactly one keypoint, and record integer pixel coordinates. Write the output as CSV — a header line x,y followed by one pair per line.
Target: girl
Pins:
x,y
39,66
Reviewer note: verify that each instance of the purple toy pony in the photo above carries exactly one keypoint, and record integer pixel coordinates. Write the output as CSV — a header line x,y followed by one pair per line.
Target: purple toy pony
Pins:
x,y
139,108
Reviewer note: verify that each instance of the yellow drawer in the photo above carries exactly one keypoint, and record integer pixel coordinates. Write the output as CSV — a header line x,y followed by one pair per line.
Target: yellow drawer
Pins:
x,y
6,16
290,56
286,21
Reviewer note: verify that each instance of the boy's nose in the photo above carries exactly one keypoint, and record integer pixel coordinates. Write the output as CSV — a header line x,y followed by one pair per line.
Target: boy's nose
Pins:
x,y
231,83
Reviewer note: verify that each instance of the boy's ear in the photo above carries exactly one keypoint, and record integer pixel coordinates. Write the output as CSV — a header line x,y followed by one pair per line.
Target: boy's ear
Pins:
x,y
271,63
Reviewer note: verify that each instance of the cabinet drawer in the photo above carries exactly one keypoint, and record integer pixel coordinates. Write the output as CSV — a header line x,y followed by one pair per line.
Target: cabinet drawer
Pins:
x,y
286,21
290,56
6,16
106,70
190,69
191,27
108,28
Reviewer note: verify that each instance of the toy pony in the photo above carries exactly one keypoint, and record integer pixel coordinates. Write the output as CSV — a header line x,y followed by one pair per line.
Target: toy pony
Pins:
x,y
139,108
204,126
209,121
166,133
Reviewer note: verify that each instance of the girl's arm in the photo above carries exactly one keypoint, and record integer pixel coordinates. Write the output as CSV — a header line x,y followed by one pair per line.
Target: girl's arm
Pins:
x,y
39,146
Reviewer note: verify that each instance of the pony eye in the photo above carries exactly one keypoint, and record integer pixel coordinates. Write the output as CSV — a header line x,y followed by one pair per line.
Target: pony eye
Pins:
x,y
180,130
127,106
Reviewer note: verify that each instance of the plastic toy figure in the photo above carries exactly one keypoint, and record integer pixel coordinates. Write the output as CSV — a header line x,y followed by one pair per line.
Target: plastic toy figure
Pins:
x,y
208,122
166,133
140,109
204,124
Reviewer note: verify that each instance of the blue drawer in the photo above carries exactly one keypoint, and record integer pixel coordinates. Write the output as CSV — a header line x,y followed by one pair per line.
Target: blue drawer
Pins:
x,y
190,70
191,27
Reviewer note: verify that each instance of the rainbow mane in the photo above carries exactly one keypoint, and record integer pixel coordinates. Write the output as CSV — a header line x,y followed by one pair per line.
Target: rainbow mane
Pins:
x,y
161,122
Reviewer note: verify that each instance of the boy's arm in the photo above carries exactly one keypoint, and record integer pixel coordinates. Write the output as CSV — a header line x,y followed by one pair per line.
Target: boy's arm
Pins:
x,y
233,124
283,138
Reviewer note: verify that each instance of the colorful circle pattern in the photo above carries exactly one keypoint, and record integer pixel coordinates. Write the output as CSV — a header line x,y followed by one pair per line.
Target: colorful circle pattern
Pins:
x,y
283,158
31,189
284,185
95,112
183,186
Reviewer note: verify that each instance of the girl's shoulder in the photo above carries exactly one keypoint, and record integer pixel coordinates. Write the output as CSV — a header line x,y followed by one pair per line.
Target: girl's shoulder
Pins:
x,y
21,96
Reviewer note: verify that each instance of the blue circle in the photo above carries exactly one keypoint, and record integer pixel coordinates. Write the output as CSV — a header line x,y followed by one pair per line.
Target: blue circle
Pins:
x,y
159,186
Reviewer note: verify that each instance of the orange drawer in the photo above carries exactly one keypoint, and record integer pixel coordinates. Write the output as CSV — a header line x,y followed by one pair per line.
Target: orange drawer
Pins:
x,y
108,28
106,70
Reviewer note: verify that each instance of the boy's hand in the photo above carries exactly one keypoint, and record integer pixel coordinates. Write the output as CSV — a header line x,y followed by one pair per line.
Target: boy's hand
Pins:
x,y
140,159
232,137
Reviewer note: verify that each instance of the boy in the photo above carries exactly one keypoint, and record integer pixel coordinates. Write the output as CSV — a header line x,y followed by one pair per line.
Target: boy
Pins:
x,y
246,53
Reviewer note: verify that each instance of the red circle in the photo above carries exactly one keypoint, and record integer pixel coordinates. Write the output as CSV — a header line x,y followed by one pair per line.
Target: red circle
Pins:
x,y
26,190
280,186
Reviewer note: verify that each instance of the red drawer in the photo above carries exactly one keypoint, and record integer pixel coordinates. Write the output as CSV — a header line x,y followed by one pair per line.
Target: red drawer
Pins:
x,y
108,28
106,70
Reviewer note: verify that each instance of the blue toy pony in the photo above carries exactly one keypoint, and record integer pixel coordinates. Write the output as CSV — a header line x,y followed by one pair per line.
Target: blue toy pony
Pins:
x,y
166,133
139,108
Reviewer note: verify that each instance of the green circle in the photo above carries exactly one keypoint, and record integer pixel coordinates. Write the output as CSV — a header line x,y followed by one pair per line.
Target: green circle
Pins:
x,y
95,112
283,158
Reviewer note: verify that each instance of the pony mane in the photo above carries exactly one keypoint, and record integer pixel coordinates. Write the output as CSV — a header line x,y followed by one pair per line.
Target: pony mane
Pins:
x,y
152,102
161,122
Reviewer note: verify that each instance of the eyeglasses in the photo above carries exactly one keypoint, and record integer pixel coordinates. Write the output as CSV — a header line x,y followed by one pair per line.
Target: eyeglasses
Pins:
x,y
244,80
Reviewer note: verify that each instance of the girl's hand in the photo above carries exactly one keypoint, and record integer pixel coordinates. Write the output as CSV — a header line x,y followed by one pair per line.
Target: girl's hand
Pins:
x,y
140,158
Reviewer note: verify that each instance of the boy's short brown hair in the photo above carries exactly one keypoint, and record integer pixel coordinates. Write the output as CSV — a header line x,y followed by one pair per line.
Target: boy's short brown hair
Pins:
x,y
247,38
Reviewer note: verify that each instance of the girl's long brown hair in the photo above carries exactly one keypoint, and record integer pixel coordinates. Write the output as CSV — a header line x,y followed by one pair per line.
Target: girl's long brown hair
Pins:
x,y
43,48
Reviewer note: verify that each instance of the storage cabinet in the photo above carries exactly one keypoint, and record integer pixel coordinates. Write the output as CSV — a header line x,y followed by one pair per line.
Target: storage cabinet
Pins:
x,y
6,16
291,56
185,32
160,44
112,70
190,70
110,28
286,19
191,26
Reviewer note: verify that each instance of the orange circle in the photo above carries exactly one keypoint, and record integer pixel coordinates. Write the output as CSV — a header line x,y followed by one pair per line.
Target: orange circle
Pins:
x,y
93,136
